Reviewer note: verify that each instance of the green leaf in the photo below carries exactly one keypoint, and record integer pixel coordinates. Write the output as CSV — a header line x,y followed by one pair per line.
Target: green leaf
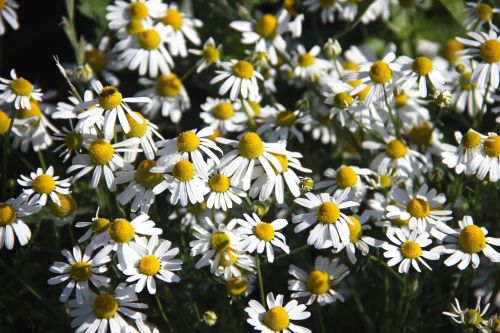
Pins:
x,y
456,9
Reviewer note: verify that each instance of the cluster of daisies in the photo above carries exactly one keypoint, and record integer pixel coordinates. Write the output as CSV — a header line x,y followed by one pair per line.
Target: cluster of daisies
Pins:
x,y
474,319
237,182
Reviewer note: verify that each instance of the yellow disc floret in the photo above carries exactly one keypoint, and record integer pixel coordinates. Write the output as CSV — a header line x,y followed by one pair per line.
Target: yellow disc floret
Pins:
x,y
121,231
66,207
472,239
264,231
220,241
450,48
219,183
491,146
355,229
285,118
138,10
470,139
396,149
211,54
44,184
267,26
173,18
149,39
109,98
21,87
328,212
473,317
100,225
137,129
326,4
490,51
346,177
223,110
350,66
385,181
146,178
400,99
276,319
4,122
33,111
80,271
149,265
422,66
380,72
318,282
236,286
96,59
421,134
7,214
342,100
484,12
183,170
251,146
105,306
411,250
306,59
243,69
73,140
188,142
101,152
134,27
283,160
418,208
168,85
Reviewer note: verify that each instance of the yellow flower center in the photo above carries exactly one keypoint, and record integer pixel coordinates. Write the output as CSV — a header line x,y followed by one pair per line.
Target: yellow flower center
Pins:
x,y
220,241
255,107
306,59
418,208
138,10
266,26
236,286
187,142
96,59
219,183
105,306
470,140
233,258
422,66
21,87
318,282
264,231
109,98
380,72
149,39
342,100
149,265
146,178
328,212
465,81
285,118
385,181
363,93
491,146
73,140
80,271
134,27
326,4
4,122
121,231
490,51
183,170
7,214
137,129
251,146
421,134
399,222
472,317
355,229
101,152
211,54
283,162
66,208
471,239
44,184
450,48
396,149
243,69
484,12
2,4
400,99
168,85
223,111
346,177
217,134
100,225
411,250
34,111
350,66
276,319
173,18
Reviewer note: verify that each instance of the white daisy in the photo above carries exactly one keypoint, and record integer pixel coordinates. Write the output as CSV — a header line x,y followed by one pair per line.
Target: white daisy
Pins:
x,y
473,317
331,228
222,194
318,284
344,106
459,158
103,62
280,124
121,12
223,114
408,251
465,244
11,214
72,143
79,270
234,264
278,317
240,77
97,229
467,95
347,176
210,55
41,185
240,286
357,239
328,8
488,159
419,71
18,90
479,16
308,66
144,131
65,110
8,13
64,212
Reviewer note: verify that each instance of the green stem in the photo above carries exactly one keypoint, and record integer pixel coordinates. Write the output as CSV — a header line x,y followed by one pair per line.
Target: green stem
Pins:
x,y
383,263
162,312
188,73
6,147
42,160
249,115
297,250
392,116
261,284
321,319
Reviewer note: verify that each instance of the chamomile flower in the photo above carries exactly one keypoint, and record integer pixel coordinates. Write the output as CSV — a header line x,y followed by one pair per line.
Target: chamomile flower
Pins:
x,y
261,236
189,145
121,12
223,114
18,90
330,228
64,212
467,96
103,62
277,317
79,270
472,317
240,286
72,143
110,104
234,264
357,239
249,152
182,27
144,131
281,124
308,66
318,284
167,93
240,78
151,260
210,55
147,52
419,71
41,185
11,214
337,94
349,9
347,176
8,13
408,249
384,180
102,157
460,157
479,16
97,229
465,244
488,160
106,309
486,48
423,209
65,110
328,8
222,194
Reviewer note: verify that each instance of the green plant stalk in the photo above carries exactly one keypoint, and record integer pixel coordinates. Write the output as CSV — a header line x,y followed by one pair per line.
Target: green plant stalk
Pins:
x,y
261,284
162,312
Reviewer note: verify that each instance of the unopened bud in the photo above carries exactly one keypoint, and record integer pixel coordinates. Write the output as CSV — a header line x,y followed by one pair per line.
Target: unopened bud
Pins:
x,y
306,184
332,48
210,318
442,98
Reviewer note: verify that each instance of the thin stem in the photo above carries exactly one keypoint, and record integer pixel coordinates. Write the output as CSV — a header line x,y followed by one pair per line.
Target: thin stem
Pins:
x,y
42,160
392,116
321,319
188,73
249,115
383,263
297,250
261,284
162,312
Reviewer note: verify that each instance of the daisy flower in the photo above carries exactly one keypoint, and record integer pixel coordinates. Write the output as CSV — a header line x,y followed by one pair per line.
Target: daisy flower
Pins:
x,y
210,55
79,270
280,124
259,236
41,185
97,229
239,163
357,239
222,194
151,260
147,52
309,66
331,228
167,93
223,114
485,47
466,95
189,145
349,9
479,15
18,90
419,71
102,62
121,12
72,143
347,176
459,158
192,213
337,94
11,223
8,13
240,77
328,8
65,110
465,244
488,159
105,309
277,318
65,211
240,286
408,249
182,27
382,180
234,264
318,284
144,131
110,104
472,317
102,157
